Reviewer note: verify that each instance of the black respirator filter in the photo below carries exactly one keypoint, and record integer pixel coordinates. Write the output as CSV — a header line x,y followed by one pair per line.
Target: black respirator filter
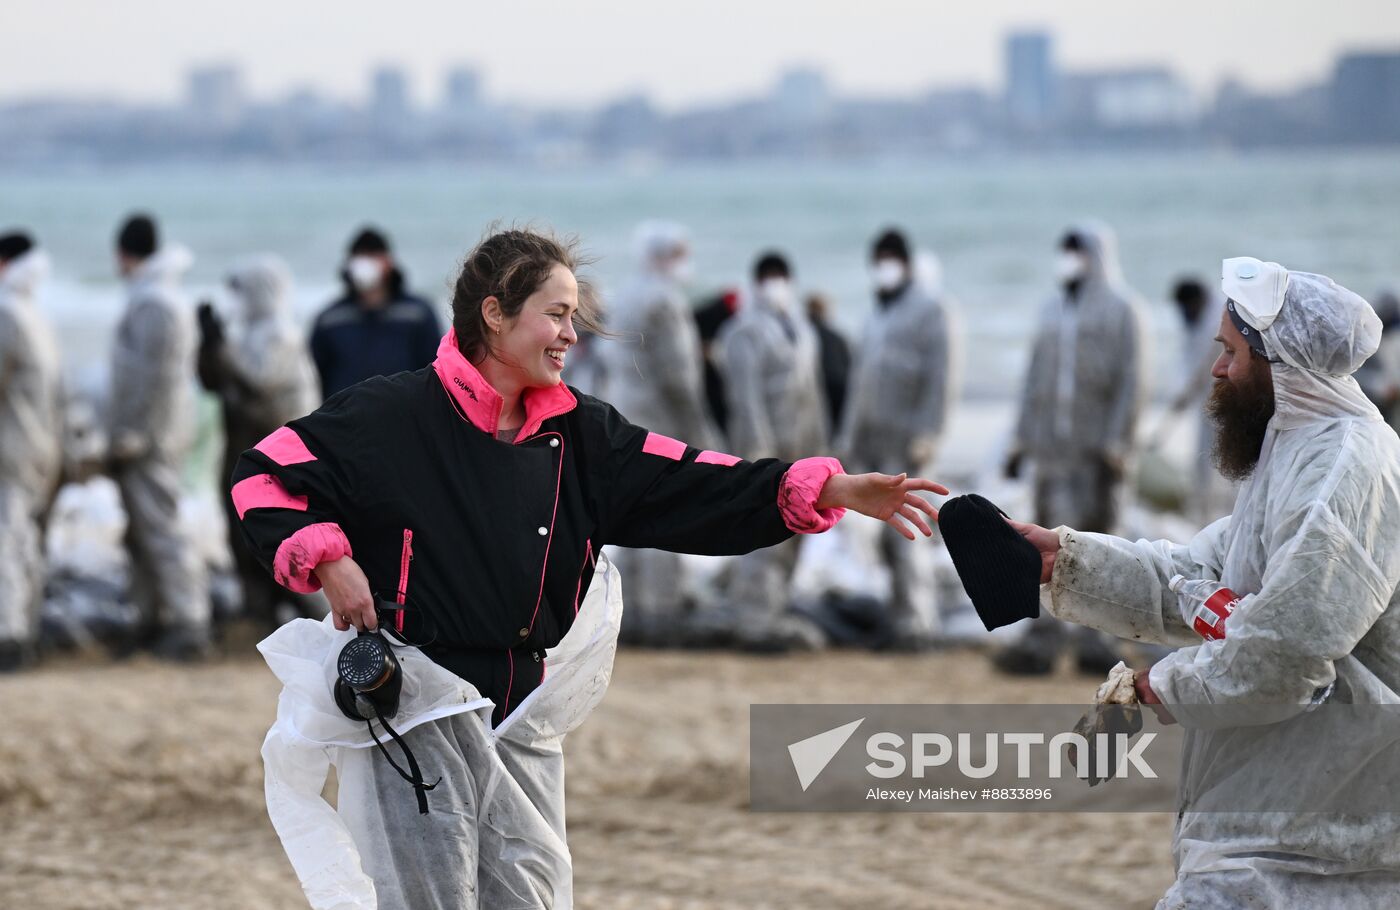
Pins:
x,y
999,569
368,683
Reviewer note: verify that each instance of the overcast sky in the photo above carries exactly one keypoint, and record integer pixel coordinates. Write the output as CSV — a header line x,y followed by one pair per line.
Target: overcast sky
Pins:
x,y
585,51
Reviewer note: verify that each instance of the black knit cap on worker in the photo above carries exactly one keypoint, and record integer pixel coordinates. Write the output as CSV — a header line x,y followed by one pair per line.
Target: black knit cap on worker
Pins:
x,y
999,569
368,242
771,264
891,243
14,245
138,237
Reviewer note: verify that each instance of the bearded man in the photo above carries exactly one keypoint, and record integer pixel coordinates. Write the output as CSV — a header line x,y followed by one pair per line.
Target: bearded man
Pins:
x,y
1310,552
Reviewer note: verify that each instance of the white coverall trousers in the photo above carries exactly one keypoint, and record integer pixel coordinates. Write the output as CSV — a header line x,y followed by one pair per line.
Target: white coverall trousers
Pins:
x,y
453,858
168,580
21,562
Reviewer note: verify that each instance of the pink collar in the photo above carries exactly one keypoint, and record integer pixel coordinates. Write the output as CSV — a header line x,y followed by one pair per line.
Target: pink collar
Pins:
x,y
482,404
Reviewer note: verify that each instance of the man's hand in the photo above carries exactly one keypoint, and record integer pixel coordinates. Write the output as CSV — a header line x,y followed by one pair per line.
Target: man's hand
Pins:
x,y
1046,542
887,497
352,602
1142,685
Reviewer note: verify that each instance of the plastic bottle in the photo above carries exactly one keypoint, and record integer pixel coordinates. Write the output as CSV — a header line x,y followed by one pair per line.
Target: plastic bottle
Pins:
x,y
1205,604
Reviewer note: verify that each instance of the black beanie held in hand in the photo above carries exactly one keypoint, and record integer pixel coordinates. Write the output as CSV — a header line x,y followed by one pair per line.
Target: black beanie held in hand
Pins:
x,y
999,569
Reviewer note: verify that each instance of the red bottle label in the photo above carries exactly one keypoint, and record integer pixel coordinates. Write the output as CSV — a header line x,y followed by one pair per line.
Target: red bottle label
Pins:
x,y
1209,621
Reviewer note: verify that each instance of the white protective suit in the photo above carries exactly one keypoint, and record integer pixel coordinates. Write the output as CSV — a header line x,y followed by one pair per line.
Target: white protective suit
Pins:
x,y
1079,410
269,350
494,836
1311,547
30,442
655,378
771,361
1084,391
151,425
264,377
894,422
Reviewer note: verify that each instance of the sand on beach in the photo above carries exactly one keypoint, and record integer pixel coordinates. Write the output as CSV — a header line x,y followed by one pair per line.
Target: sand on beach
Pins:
x,y
139,785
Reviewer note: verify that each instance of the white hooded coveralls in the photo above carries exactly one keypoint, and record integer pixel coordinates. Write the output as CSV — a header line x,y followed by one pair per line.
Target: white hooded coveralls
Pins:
x,y
1311,546
655,378
894,421
30,442
151,425
494,836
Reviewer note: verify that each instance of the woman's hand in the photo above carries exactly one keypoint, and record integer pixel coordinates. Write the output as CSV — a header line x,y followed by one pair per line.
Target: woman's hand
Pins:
x,y
352,603
1046,542
886,497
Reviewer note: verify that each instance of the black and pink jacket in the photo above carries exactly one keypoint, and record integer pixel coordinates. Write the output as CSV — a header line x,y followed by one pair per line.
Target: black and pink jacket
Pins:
x,y
490,546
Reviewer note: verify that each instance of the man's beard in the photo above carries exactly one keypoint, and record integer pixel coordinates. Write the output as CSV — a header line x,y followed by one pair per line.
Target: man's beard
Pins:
x,y
1241,413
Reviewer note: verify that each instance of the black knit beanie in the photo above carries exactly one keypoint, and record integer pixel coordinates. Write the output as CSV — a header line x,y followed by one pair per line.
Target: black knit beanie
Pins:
x,y
999,569
138,237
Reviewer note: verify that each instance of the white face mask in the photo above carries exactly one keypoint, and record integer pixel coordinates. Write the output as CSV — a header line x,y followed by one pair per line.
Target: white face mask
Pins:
x,y
888,274
776,292
681,270
1069,266
365,272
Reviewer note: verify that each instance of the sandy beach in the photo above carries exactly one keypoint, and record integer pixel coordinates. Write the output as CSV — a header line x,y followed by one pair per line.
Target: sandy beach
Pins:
x,y
140,785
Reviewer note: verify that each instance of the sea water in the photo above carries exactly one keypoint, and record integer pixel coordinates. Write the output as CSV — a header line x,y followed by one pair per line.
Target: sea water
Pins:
x,y
994,225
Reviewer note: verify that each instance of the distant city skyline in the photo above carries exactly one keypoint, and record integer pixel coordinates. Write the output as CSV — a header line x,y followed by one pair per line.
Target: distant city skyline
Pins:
x,y
588,54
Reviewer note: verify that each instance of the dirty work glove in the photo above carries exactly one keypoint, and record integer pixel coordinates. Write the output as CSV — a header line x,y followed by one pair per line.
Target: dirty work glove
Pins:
x,y
1115,710
999,569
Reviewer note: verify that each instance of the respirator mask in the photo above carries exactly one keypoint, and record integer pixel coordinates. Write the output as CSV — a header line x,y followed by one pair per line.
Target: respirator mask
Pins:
x,y
369,681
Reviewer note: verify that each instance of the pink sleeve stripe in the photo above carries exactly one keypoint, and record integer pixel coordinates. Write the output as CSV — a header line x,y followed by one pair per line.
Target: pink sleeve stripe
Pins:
x,y
285,447
263,491
294,566
719,458
664,446
799,492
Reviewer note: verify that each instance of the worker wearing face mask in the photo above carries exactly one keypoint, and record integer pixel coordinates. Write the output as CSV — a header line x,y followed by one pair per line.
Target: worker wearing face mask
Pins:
x,y
654,368
31,424
1079,411
376,328
770,360
898,408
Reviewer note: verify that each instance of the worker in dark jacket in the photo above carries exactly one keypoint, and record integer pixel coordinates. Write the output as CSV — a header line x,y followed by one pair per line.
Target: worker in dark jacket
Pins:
x,y
477,493
376,328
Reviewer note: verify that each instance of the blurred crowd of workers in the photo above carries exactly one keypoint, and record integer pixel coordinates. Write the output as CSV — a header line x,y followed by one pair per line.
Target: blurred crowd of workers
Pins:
x,y
757,372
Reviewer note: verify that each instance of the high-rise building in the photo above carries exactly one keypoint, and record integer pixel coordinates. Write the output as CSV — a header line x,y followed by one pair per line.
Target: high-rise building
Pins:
x,y
802,93
389,93
1365,96
1030,78
214,94
462,93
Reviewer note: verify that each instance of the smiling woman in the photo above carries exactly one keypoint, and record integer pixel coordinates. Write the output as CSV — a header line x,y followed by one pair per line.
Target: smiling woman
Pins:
x,y
517,299
475,496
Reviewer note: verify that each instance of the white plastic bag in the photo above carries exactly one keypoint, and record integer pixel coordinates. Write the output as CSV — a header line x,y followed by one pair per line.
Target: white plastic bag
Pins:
x,y
311,734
